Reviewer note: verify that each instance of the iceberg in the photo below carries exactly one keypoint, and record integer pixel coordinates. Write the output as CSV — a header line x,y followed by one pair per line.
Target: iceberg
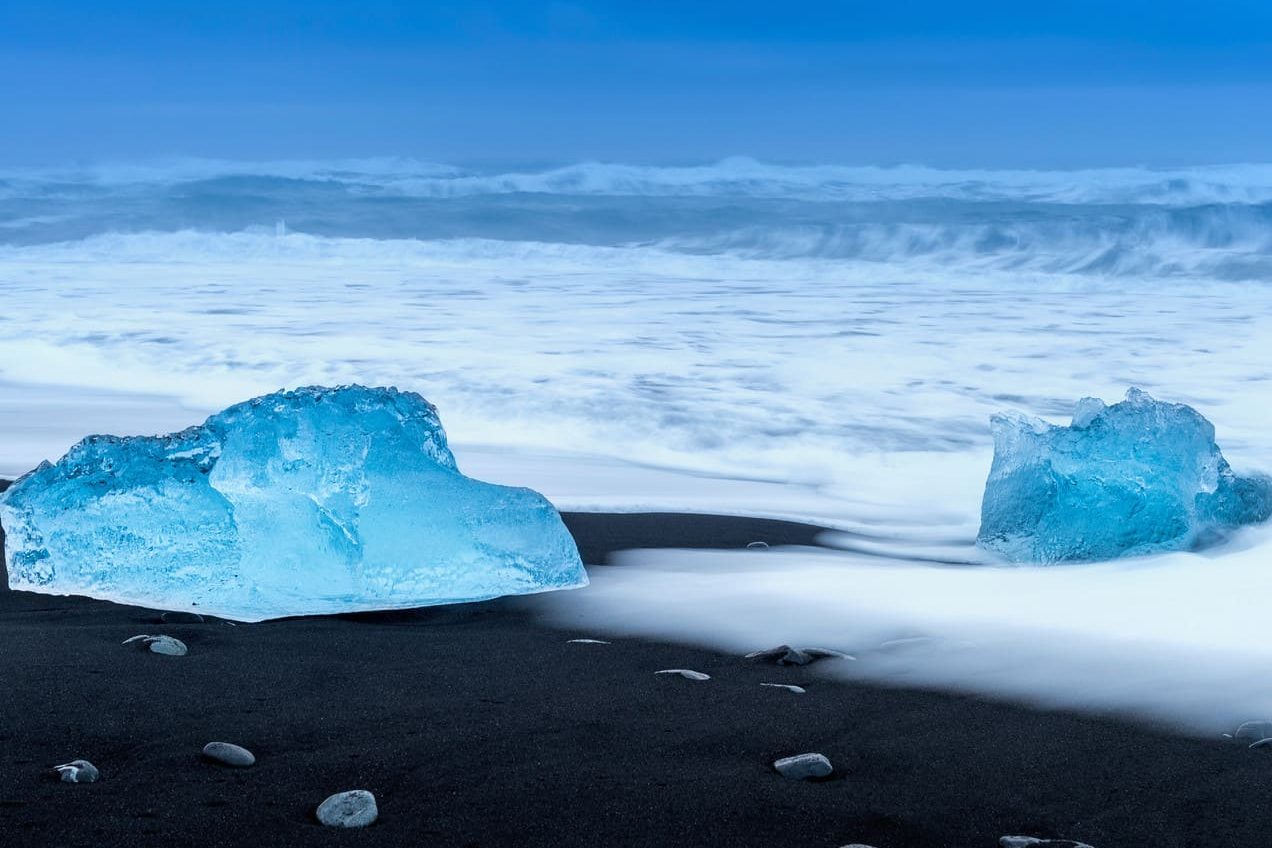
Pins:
x,y
1137,477
313,501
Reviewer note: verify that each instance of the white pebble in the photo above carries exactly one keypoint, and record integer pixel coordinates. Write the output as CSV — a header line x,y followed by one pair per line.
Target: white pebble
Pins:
x,y
798,690
355,808
165,645
804,766
587,642
687,674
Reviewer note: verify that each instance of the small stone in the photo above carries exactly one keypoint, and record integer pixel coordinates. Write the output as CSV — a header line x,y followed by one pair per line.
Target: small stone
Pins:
x,y
165,645
687,674
1033,842
857,845
798,690
587,642
782,655
228,754
355,808
179,617
757,546
78,771
786,655
804,767
168,646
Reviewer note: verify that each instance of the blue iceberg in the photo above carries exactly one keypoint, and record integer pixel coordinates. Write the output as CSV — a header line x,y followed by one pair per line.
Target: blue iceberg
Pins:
x,y
302,502
1133,478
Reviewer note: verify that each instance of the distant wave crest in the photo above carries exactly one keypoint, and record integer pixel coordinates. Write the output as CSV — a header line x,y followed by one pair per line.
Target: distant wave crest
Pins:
x,y
1213,222
733,177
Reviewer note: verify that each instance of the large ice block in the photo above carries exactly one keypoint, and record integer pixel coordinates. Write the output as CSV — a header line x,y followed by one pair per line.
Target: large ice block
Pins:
x,y
1133,478
310,501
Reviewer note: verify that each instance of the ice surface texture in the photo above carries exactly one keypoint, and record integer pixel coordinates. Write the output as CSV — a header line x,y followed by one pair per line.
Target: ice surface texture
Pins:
x,y
1133,478
302,502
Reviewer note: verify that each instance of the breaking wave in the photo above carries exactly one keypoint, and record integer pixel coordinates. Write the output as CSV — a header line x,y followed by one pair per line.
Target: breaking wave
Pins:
x,y
1203,222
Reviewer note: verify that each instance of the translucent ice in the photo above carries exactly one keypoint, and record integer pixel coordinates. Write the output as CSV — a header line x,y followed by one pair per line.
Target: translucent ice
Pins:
x,y
302,502
1132,478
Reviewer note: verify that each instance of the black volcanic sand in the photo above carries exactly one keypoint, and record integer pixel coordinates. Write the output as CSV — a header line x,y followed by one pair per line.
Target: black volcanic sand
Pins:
x,y
474,726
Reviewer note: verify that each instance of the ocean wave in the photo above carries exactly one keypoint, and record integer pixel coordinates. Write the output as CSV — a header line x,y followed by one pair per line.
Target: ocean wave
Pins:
x,y
1217,243
736,177
1213,222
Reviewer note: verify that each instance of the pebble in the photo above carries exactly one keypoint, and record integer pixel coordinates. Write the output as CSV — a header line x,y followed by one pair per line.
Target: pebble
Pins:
x,y
686,673
178,617
798,690
587,642
229,754
786,655
1032,842
165,645
757,546
804,767
78,771
355,808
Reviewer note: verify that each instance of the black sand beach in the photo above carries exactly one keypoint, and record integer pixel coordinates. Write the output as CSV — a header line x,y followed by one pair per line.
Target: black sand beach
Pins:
x,y
475,726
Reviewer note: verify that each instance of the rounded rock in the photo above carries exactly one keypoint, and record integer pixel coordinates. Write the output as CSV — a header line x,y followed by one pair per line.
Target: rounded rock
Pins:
x,y
355,808
686,673
181,617
229,754
804,767
77,771
167,646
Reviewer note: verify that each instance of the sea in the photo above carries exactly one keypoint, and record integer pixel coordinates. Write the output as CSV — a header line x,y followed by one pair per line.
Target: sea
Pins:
x,y
822,343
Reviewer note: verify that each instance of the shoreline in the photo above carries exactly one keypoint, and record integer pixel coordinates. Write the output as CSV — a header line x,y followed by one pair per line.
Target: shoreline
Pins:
x,y
474,725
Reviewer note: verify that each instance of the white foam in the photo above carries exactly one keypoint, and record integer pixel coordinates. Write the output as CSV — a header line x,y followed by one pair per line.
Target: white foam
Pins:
x,y
852,393
1181,638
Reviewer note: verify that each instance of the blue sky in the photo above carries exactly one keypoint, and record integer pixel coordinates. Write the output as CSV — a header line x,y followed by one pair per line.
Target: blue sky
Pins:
x,y
1059,84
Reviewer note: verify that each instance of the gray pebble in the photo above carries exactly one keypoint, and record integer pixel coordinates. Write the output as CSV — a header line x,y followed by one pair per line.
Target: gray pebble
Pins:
x,y
798,690
1033,842
355,808
686,673
78,771
804,767
587,642
786,655
179,617
165,645
229,754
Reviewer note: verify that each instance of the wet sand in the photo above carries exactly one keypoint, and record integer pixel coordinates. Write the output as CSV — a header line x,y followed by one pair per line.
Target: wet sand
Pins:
x,y
475,726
